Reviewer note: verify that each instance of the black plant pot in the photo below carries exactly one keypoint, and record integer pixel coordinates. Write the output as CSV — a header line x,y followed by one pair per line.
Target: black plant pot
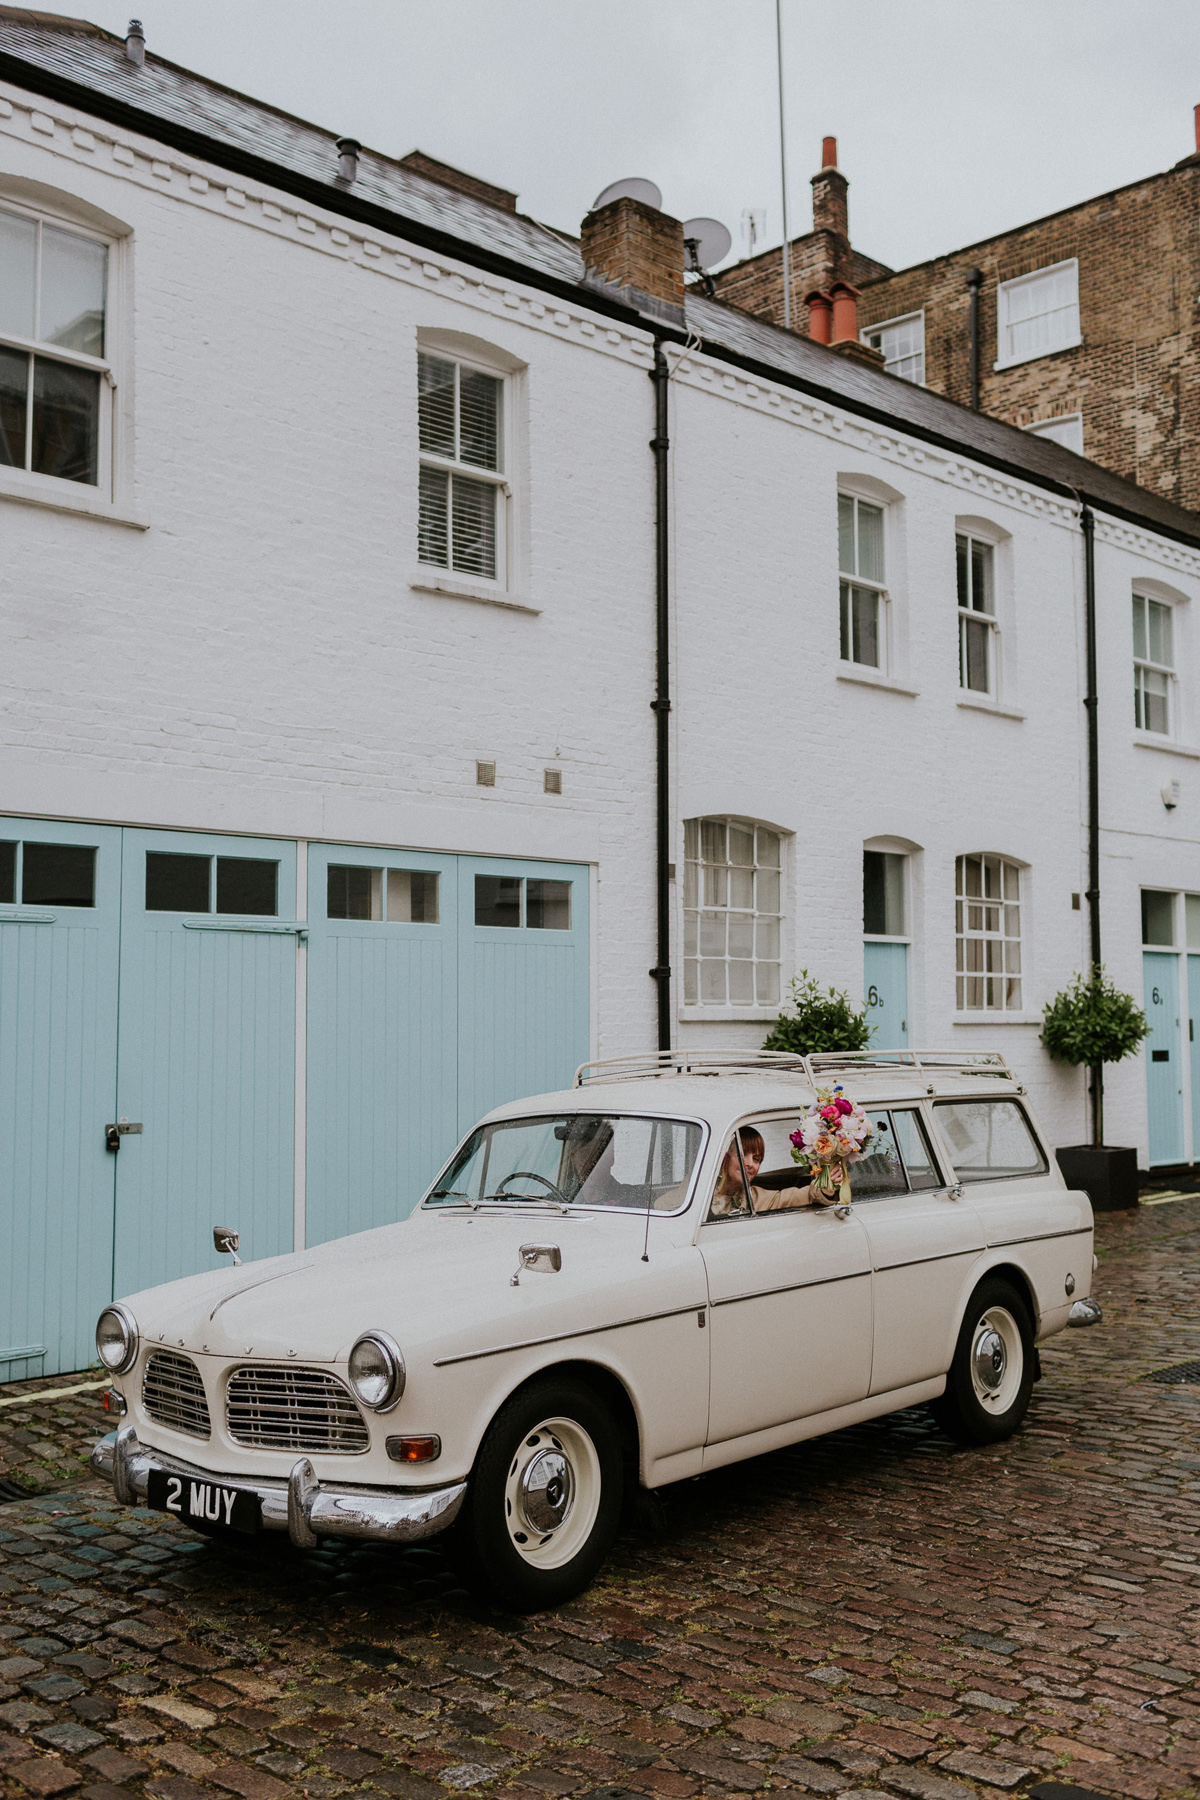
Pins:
x,y
1107,1174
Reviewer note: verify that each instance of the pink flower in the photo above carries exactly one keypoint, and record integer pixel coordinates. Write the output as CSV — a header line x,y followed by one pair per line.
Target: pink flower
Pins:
x,y
797,1138
830,1112
843,1106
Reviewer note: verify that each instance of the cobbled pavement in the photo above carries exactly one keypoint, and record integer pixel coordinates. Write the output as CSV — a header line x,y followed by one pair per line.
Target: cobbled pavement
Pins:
x,y
878,1612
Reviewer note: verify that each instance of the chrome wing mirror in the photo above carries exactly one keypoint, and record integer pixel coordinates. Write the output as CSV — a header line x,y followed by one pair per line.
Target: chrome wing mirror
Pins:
x,y
543,1259
226,1240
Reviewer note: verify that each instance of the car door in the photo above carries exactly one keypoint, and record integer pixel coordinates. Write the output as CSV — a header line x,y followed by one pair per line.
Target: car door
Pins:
x,y
997,1156
789,1306
923,1243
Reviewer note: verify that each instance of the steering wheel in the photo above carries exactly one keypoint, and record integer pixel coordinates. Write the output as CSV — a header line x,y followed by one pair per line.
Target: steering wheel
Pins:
x,y
531,1175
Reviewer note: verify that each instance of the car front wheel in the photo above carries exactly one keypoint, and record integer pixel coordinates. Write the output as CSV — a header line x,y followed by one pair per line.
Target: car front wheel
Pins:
x,y
991,1378
545,1497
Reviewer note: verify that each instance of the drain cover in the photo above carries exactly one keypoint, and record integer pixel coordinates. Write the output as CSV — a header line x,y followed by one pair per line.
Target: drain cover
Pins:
x,y
1177,1374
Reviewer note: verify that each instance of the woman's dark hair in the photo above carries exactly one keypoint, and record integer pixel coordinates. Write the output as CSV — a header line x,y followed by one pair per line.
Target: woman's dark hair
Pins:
x,y
753,1141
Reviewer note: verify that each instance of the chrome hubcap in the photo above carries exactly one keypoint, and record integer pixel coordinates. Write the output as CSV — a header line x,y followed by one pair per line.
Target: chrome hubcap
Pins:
x,y
547,1489
991,1359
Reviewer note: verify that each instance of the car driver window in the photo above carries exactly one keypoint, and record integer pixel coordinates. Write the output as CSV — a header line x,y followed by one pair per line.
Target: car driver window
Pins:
x,y
989,1140
776,1182
879,1173
909,1136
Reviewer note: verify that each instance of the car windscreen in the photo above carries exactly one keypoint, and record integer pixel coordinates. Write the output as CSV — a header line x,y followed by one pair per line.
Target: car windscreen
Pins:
x,y
574,1159
989,1139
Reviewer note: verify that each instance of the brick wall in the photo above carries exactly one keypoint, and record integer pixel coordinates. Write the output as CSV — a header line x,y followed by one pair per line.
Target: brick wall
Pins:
x,y
636,246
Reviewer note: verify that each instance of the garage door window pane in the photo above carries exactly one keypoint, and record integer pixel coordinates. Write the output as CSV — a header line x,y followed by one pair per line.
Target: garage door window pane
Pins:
x,y
245,884
989,1139
412,896
498,900
548,905
8,874
177,883
59,875
354,893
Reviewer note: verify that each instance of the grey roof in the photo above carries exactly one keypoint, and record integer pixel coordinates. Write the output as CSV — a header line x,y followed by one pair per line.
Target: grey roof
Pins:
x,y
85,66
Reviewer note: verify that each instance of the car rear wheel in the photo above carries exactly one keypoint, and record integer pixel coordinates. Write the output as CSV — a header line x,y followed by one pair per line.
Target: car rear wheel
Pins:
x,y
991,1377
545,1497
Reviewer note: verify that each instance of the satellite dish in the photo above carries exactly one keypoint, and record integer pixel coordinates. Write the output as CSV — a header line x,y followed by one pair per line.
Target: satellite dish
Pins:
x,y
632,189
713,242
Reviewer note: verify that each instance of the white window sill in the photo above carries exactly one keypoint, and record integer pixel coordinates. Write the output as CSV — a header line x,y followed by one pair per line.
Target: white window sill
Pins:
x,y
1155,740
1014,362
459,587
998,1018
864,676
982,703
67,497
729,1015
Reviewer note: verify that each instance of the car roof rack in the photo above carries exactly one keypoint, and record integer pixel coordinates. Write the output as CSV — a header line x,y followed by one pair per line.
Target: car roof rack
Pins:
x,y
688,1062
932,1063
816,1070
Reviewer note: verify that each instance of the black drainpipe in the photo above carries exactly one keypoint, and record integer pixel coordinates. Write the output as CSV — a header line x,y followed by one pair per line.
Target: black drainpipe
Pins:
x,y
1091,701
974,278
660,444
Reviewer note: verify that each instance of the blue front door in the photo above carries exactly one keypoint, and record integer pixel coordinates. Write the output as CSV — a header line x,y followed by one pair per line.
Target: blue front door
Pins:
x,y
1193,963
382,1022
60,888
885,983
1164,1079
206,1061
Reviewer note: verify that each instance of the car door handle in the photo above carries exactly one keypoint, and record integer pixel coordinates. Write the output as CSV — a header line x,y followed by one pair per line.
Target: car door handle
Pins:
x,y
955,1192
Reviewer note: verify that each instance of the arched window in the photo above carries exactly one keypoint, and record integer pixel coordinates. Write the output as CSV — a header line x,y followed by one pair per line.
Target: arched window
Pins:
x,y
732,901
988,934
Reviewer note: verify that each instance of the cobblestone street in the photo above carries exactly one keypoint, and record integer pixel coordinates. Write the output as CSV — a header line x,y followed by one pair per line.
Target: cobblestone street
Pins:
x,y
878,1610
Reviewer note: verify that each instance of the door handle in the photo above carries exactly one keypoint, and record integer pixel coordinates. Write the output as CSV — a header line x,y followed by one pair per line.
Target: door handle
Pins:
x,y
955,1192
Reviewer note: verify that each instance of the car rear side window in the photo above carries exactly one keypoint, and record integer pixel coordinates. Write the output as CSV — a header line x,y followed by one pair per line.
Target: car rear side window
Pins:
x,y
899,1160
989,1140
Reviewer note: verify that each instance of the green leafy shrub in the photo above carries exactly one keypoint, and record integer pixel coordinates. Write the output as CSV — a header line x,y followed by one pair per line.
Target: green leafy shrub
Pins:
x,y
1093,1022
817,1019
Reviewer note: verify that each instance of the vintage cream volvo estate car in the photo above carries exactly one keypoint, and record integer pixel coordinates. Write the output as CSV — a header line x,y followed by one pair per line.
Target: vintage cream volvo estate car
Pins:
x,y
585,1300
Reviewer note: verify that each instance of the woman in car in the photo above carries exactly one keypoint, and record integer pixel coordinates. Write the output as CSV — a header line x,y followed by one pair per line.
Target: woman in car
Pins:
x,y
729,1199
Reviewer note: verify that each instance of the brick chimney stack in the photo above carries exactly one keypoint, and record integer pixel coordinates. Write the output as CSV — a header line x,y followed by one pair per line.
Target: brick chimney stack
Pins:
x,y
831,210
634,247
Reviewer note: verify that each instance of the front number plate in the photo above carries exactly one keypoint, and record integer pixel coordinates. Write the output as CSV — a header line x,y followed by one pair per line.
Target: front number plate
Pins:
x,y
203,1502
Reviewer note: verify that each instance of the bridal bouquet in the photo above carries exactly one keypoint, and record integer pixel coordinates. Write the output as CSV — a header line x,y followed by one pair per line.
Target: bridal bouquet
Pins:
x,y
831,1136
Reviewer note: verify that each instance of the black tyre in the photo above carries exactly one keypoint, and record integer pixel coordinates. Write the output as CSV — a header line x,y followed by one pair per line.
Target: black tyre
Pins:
x,y
545,1497
992,1374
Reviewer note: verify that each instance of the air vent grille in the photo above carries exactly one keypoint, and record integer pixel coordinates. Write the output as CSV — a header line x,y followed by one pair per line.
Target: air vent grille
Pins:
x,y
294,1409
173,1394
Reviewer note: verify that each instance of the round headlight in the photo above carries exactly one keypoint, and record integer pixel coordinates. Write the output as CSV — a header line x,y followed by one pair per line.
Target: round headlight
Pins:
x,y
116,1339
376,1370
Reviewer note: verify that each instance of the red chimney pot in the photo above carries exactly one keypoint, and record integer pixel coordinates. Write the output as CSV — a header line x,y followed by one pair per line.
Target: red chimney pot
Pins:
x,y
845,311
820,315
829,151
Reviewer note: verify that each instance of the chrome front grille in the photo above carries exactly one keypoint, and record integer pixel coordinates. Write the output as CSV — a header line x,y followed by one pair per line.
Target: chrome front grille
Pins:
x,y
294,1409
173,1393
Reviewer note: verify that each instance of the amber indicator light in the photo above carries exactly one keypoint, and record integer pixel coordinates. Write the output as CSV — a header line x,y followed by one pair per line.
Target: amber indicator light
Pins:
x,y
414,1449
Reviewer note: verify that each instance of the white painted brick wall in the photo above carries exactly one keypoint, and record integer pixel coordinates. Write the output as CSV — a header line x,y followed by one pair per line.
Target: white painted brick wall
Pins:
x,y
256,660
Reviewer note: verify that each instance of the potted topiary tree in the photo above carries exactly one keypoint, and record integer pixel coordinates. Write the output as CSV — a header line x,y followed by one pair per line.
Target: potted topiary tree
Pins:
x,y
1088,1024
818,1020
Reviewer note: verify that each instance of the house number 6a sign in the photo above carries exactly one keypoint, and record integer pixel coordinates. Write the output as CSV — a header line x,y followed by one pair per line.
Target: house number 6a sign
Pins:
x,y
1156,997
873,996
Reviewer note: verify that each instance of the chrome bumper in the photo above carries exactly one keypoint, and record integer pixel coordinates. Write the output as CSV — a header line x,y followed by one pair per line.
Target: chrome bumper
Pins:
x,y
1085,1312
307,1509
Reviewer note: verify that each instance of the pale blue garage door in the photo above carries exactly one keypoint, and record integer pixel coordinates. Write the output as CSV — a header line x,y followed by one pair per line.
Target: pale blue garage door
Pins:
x,y
60,889
438,987
161,981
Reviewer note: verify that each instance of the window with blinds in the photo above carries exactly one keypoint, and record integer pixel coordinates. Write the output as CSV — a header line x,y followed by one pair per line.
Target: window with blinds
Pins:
x,y
460,424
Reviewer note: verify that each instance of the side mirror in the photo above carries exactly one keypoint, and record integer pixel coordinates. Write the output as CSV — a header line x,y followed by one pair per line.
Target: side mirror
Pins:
x,y
226,1239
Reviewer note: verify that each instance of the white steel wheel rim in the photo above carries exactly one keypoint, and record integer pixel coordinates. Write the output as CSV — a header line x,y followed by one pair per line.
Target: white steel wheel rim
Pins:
x,y
552,1493
997,1359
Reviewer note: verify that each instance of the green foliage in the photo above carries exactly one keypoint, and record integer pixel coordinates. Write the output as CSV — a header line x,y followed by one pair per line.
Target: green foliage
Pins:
x,y
1093,1022
818,1020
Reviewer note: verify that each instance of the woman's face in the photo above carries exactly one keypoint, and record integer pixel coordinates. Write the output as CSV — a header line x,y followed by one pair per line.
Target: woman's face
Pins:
x,y
751,1158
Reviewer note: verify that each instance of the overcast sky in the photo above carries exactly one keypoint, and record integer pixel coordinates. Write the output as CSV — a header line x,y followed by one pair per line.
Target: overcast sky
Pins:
x,y
954,118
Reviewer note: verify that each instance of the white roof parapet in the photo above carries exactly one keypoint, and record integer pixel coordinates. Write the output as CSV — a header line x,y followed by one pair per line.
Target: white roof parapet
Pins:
x,y
815,1069
688,1062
